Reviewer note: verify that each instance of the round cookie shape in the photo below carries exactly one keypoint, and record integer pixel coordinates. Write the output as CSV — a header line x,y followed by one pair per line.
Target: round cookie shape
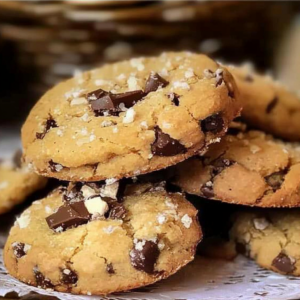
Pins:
x,y
130,118
270,237
16,183
268,105
80,240
249,168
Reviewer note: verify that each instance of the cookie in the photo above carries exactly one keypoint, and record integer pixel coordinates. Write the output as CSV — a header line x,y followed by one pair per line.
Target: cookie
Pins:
x,y
130,118
94,239
271,238
249,168
16,184
268,105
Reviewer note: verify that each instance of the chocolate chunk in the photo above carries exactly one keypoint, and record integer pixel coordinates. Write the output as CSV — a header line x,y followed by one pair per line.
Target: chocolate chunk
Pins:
x,y
18,249
106,103
55,167
68,216
174,98
164,145
41,281
17,159
220,164
207,191
154,82
213,123
276,180
144,256
50,123
117,211
219,77
69,277
272,105
110,268
283,263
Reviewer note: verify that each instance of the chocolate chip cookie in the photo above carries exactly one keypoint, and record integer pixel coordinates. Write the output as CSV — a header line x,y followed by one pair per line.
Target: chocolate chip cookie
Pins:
x,y
271,238
129,118
249,168
268,105
16,183
98,239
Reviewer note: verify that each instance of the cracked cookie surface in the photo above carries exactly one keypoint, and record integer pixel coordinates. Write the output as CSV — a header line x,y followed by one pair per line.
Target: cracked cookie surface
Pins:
x,y
16,183
249,168
151,235
268,105
271,238
130,118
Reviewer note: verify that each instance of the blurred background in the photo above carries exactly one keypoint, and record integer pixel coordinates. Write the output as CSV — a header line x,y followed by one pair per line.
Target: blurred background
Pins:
x,y
44,42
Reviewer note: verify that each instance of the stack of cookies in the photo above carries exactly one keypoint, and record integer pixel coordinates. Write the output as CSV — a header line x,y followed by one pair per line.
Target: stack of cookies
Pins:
x,y
129,141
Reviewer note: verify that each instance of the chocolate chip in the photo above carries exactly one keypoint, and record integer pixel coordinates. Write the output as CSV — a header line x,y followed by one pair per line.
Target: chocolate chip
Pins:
x,y
106,103
41,281
144,256
174,98
283,263
18,249
69,215
110,268
50,123
17,159
117,211
207,191
164,145
55,167
154,82
276,180
213,123
220,164
272,105
69,277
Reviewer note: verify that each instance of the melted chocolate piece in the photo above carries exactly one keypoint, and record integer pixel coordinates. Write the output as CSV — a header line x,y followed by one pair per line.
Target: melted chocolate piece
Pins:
x,y
73,192
110,268
69,277
272,105
174,98
18,249
41,281
164,145
207,191
213,123
50,123
283,263
117,211
154,82
106,103
68,216
220,164
276,180
145,259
